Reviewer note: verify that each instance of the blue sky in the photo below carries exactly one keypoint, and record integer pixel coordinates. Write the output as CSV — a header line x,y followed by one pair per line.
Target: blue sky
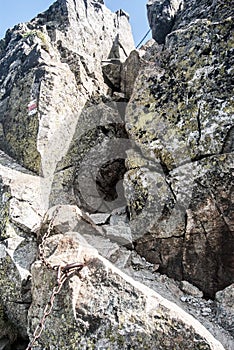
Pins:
x,y
16,11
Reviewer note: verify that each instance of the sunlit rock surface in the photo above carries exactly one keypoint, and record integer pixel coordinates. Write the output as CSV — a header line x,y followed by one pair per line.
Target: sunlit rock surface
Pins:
x,y
123,158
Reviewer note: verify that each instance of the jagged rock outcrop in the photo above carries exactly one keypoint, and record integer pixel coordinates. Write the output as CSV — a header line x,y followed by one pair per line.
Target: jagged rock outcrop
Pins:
x,y
162,15
166,16
103,208
57,54
180,187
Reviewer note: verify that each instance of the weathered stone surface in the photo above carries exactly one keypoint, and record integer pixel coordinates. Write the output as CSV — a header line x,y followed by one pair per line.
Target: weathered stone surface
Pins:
x,y
165,16
70,218
119,233
17,255
161,15
188,237
63,119
7,331
188,288
129,73
225,308
213,10
53,63
21,212
49,67
90,174
98,317
112,75
100,218
182,131
226,297
119,216
24,197
179,187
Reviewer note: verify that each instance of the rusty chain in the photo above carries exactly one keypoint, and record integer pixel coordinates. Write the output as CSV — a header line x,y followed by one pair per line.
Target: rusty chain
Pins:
x,y
63,273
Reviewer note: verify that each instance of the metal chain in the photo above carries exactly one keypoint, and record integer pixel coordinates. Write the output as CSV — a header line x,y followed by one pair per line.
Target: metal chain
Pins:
x,y
63,273
47,311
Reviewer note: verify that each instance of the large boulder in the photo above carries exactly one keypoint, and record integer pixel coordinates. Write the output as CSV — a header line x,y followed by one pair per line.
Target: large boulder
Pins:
x,y
89,312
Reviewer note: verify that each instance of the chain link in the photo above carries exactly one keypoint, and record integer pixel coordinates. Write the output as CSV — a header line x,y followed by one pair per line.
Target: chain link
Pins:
x,y
63,273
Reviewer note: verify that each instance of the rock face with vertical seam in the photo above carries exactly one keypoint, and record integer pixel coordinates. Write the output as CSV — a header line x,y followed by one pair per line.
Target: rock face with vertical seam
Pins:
x,y
69,79
180,186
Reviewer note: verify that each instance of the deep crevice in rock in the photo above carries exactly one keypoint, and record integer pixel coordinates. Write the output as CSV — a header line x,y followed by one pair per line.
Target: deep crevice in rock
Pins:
x,y
103,190
109,175
19,344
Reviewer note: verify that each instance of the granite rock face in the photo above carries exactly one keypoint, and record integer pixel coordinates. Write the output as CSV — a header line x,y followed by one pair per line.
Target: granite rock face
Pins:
x,y
166,16
49,68
213,10
116,171
179,188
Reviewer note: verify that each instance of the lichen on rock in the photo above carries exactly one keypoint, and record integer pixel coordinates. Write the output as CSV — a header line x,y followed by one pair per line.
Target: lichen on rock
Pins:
x,y
116,179
181,117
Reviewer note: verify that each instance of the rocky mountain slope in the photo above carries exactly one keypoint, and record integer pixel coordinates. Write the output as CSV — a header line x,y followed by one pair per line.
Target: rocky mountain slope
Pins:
x,y
116,179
